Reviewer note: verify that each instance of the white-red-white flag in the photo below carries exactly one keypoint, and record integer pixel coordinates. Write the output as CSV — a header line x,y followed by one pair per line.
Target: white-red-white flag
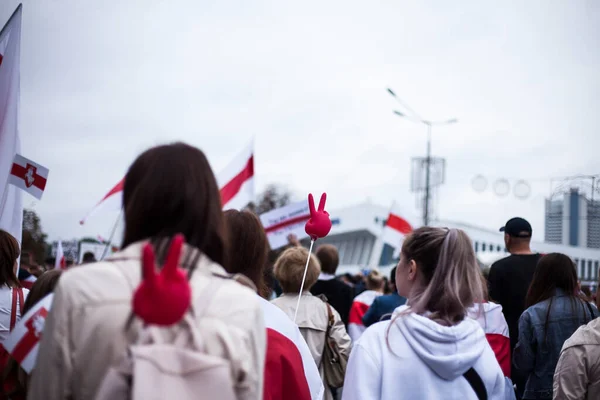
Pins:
x,y
23,342
398,225
60,262
284,221
290,369
28,176
11,206
236,181
113,200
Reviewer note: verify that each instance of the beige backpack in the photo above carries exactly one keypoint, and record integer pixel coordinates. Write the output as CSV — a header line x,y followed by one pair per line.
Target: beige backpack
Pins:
x,y
168,363
168,360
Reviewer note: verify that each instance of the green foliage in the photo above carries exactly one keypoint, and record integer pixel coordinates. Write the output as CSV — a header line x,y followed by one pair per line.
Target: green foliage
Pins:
x,y
274,196
34,239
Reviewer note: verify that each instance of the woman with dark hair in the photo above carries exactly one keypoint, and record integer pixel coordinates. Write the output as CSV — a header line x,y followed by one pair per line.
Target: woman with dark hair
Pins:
x,y
430,349
15,378
168,190
12,295
554,310
288,357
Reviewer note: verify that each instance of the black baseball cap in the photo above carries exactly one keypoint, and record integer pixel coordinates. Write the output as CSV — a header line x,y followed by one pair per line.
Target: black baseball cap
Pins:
x,y
517,227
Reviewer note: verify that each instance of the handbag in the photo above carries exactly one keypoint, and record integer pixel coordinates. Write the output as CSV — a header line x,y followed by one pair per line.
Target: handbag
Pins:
x,y
333,361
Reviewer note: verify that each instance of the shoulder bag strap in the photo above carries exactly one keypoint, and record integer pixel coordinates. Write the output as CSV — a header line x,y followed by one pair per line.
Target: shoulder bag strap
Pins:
x,y
13,308
21,300
590,309
476,383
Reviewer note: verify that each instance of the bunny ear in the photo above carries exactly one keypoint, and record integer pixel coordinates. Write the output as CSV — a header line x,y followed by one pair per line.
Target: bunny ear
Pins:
x,y
322,202
311,204
148,269
172,260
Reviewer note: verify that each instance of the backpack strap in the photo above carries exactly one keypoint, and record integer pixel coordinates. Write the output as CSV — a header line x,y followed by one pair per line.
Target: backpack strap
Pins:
x,y
476,383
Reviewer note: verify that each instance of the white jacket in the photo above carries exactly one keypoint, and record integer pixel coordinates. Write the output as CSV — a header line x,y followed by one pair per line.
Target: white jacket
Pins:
x,y
85,332
424,360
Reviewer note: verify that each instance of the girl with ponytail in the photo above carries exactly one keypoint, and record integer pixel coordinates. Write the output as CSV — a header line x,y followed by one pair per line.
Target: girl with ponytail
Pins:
x,y
430,349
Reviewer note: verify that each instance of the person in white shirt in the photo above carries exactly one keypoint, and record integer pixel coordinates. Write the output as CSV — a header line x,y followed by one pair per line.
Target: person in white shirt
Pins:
x,y
430,349
9,283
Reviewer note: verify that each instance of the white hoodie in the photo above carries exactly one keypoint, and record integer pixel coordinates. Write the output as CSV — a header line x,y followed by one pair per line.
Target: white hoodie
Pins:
x,y
426,361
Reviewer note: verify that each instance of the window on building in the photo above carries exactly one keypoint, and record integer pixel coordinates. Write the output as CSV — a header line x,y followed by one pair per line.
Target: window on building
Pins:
x,y
596,270
590,271
577,268
476,247
498,248
482,246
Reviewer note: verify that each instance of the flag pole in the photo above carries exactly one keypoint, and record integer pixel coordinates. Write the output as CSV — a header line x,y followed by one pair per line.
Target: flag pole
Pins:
x,y
112,234
11,18
312,242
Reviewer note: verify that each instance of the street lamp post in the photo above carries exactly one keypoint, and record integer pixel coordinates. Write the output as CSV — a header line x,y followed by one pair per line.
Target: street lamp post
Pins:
x,y
416,118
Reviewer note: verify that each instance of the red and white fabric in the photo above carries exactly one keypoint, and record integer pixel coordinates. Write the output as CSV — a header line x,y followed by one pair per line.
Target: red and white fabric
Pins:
x,y
23,341
6,300
290,370
359,308
11,206
28,282
60,262
398,225
494,325
236,181
29,176
284,221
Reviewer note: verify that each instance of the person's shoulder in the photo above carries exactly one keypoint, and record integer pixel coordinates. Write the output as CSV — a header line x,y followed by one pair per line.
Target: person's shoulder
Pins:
x,y
501,263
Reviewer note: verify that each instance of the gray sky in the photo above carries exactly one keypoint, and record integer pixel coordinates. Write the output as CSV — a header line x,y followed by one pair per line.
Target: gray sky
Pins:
x,y
101,81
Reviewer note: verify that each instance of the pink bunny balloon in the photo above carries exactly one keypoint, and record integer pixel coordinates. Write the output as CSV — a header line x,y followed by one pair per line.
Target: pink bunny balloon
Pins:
x,y
319,224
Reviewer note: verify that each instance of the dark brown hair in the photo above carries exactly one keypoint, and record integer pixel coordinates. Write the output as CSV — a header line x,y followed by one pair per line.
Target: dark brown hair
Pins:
x,y
43,286
329,258
9,253
171,189
248,247
555,271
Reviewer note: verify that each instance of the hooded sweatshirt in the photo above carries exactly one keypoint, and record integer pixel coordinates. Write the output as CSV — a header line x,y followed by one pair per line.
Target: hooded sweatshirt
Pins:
x,y
424,360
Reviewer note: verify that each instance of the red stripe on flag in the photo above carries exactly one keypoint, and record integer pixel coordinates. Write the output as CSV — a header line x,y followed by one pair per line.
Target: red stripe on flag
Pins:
x,y
20,172
1,59
357,312
232,187
30,338
399,224
283,224
118,188
284,372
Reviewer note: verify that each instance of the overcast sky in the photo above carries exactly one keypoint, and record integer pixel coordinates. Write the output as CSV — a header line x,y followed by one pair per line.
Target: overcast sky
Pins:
x,y
103,80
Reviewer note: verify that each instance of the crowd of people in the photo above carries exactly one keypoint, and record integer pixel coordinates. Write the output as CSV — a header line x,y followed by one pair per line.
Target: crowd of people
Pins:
x,y
436,329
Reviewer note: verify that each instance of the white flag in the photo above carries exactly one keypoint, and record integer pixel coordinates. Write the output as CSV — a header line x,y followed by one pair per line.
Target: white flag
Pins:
x,y
24,341
11,207
28,176
60,262
281,222
236,180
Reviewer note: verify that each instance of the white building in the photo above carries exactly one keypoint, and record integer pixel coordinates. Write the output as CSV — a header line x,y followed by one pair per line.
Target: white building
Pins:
x,y
356,231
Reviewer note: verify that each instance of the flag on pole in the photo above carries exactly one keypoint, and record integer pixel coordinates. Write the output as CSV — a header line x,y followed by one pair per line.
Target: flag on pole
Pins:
x,y
290,369
28,176
60,262
236,184
23,342
11,207
113,200
236,181
282,222
396,228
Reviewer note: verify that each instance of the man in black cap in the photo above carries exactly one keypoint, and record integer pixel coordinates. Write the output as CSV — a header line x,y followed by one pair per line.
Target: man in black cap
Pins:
x,y
509,280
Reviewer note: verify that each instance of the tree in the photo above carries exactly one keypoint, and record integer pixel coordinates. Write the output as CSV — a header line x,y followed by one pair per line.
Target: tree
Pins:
x,y
34,240
274,196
